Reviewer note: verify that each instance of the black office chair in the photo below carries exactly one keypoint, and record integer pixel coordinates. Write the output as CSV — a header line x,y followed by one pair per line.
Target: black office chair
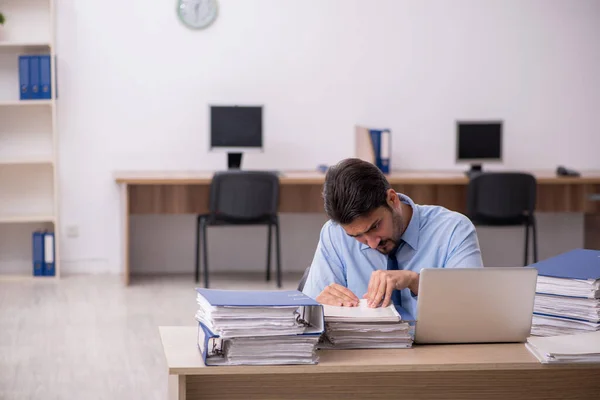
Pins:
x,y
303,279
504,199
241,198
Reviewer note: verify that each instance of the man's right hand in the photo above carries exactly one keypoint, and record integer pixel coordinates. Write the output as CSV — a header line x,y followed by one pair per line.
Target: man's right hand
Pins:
x,y
338,295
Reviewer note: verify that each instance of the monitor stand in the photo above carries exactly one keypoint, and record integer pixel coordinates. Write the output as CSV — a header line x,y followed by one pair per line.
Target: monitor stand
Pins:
x,y
234,160
476,169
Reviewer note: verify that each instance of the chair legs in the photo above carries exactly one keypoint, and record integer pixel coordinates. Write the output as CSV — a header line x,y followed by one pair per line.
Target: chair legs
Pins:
x,y
278,245
531,224
526,245
535,248
204,251
201,235
197,270
269,240
201,241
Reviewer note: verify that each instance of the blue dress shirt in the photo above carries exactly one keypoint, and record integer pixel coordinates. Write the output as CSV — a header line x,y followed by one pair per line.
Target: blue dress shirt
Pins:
x,y
434,238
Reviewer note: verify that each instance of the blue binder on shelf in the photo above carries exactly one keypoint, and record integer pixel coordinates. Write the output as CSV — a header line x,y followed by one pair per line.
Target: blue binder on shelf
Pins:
x,y
38,253
34,76
45,77
24,83
374,146
49,254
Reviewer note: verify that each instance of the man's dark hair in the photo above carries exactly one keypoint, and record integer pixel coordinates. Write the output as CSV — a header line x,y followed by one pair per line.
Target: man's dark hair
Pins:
x,y
353,188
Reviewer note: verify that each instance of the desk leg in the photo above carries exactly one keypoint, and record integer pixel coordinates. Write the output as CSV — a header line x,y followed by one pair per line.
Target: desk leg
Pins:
x,y
125,231
177,387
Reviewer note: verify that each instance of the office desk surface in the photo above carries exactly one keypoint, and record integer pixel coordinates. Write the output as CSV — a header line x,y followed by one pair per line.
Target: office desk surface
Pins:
x,y
475,371
314,177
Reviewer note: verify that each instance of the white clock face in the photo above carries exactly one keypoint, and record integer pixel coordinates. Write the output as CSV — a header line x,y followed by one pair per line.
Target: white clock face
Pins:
x,y
197,14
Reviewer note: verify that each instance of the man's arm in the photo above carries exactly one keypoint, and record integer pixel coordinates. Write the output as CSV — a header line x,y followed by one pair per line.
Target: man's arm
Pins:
x,y
327,276
463,249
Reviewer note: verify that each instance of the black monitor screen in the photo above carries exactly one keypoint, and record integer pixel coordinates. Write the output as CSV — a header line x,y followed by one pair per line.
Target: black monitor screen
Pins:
x,y
479,140
232,126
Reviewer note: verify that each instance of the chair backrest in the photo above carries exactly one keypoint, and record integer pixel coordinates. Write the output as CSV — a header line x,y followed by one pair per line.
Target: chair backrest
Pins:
x,y
304,278
501,195
244,195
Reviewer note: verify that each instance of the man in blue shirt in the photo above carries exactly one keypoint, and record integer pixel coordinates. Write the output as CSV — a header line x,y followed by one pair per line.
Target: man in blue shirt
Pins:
x,y
377,241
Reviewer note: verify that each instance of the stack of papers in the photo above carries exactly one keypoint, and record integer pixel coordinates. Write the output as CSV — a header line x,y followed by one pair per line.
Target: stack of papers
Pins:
x,y
567,297
363,327
586,288
577,348
258,327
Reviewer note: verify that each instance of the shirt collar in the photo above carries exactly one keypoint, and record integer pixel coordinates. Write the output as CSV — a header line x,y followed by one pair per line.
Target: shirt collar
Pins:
x,y
411,234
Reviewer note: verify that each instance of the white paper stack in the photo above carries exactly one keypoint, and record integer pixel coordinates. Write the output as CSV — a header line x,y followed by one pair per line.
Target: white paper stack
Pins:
x,y
231,321
586,288
577,348
363,327
567,297
264,350
258,327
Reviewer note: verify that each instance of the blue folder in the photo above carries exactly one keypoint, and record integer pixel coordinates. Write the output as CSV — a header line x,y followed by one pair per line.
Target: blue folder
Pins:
x,y
24,84
49,250
310,311
34,77
45,77
381,147
582,264
38,253
256,298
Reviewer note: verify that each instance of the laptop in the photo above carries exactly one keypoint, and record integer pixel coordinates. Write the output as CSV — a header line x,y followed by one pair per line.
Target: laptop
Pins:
x,y
475,305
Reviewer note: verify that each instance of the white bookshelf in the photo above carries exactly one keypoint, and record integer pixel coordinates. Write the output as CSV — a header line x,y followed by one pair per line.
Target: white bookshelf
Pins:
x,y
28,140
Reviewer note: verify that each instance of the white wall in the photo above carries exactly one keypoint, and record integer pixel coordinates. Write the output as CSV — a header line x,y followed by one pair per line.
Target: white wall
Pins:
x,y
134,85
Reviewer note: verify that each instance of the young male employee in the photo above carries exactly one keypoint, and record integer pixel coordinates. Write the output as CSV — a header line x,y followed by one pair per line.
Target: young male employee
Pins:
x,y
376,241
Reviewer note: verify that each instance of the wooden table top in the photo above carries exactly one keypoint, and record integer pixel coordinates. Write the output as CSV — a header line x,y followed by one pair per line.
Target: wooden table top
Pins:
x,y
184,358
317,178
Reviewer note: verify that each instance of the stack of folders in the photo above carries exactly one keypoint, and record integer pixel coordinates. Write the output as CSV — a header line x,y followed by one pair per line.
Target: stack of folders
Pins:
x,y
258,327
577,348
363,327
567,297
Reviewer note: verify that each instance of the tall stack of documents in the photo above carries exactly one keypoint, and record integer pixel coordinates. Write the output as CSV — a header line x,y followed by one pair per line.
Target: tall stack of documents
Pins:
x,y
567,297
576,348
258,327
363,327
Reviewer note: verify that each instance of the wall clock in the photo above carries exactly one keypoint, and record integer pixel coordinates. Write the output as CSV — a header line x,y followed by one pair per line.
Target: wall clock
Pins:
x,y
197,14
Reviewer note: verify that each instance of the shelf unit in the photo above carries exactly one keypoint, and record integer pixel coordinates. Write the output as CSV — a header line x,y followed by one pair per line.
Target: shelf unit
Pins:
x,y
28,141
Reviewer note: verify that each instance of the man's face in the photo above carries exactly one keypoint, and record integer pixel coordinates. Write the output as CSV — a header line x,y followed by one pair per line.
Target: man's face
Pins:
x,y
381,230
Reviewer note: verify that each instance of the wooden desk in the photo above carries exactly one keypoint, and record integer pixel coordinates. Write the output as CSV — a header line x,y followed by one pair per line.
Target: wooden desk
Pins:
x,y
188,193
482,371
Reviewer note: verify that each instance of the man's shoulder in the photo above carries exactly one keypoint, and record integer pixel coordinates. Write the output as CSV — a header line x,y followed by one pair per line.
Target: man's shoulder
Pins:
x,y
434,216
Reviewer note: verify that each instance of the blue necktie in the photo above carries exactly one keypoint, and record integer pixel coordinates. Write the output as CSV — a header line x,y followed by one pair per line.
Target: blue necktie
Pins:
x,y
393,265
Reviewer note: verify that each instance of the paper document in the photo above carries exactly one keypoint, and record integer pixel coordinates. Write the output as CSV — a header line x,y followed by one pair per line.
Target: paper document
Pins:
x,y
361,313
363,327
582,347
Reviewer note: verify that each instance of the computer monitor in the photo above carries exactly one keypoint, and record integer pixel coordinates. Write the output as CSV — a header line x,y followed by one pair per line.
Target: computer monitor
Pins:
x,y
236,130
478,142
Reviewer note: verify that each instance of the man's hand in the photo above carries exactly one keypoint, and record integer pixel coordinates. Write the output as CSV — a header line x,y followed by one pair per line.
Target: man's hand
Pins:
x,y
383,283
338,295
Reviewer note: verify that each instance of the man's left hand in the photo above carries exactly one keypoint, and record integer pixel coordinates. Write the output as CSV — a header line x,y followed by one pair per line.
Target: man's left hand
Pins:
x,y
384,282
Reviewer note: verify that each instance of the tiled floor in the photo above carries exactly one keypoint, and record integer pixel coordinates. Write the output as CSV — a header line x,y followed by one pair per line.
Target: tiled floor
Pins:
x,y
89,337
